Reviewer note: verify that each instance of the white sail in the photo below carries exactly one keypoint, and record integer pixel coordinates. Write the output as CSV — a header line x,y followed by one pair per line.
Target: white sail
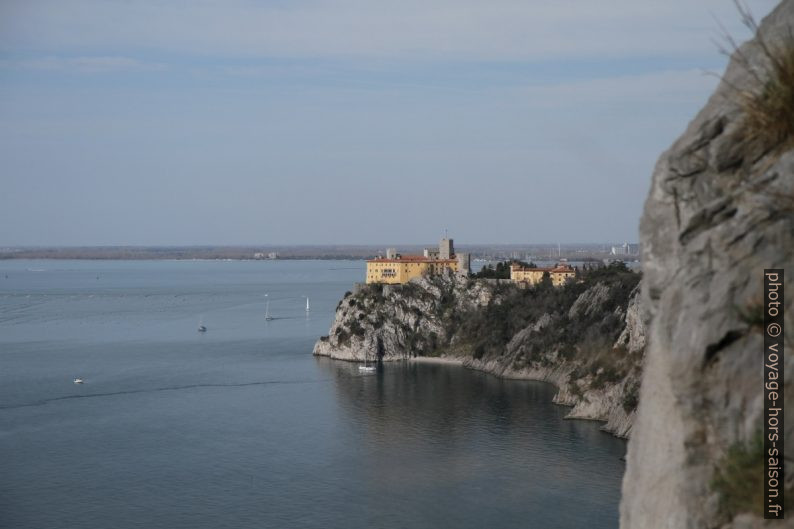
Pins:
x,y
268,317
307,303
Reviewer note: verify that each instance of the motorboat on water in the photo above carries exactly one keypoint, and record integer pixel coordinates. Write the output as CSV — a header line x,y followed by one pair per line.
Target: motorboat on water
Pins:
x,y
78,381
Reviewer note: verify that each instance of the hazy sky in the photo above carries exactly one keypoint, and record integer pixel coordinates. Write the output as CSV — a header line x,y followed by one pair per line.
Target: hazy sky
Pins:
x,y
352,121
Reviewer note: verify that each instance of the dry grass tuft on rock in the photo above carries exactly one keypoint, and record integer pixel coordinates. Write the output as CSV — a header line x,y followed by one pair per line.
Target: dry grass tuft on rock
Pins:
x,y
769,112
769,106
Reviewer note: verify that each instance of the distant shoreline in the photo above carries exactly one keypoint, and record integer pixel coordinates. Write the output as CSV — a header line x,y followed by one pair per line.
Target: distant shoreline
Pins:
x,y
207,259
537,252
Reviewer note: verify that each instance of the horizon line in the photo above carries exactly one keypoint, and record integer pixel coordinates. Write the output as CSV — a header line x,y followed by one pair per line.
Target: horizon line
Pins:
x,y
298,245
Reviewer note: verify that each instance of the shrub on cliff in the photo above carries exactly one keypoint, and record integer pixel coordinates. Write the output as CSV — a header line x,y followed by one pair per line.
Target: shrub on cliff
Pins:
x,y
739,478
342,336
489,330
631,397
356,329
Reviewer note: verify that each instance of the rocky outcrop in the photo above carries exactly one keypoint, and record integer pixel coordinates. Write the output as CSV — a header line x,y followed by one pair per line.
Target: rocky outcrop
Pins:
x,y
614,403
586,338
718,213
397,322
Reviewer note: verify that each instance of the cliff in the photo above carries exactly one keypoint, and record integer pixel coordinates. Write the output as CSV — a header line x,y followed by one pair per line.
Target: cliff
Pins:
x,y
718,213
587,337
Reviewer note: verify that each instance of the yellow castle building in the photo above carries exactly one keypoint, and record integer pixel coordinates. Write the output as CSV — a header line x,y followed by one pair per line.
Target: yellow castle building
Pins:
x,y
559,274
398,269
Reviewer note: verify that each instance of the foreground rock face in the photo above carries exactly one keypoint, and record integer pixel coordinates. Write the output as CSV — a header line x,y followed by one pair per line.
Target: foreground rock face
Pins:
x,y
719,212
591,346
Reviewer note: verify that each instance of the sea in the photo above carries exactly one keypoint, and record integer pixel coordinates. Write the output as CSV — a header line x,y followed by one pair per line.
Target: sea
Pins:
x,y
241,427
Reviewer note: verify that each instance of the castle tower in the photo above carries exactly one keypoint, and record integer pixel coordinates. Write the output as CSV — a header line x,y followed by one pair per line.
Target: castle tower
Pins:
x,y
446,249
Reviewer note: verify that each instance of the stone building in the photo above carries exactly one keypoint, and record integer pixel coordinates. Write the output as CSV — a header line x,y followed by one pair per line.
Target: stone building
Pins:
x,y
559,274
397,269
446,249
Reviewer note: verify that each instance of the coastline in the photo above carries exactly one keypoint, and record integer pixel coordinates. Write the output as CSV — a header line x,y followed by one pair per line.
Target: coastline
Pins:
x,y
615,426
446,360
417,318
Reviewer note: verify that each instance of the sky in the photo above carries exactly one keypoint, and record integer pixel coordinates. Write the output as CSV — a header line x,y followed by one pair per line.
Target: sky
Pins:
x,y
242,122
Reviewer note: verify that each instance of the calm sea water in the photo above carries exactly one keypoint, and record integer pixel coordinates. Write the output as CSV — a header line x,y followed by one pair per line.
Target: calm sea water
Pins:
x,y
241,427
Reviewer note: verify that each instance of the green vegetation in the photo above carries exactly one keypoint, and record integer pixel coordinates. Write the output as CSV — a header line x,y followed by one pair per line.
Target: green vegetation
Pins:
x,y
500,271
739,478
631,397
585,335
371,291
356,329
433,317
342,336
606,372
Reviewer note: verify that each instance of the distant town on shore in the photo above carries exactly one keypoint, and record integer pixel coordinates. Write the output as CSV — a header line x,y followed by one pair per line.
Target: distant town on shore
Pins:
x,y
477,252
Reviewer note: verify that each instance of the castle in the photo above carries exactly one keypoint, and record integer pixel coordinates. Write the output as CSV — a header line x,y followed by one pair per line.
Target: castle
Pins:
x,y
559,274
398,269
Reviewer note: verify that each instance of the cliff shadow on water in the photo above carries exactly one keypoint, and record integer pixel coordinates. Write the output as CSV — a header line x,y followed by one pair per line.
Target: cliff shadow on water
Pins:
x,y
586,337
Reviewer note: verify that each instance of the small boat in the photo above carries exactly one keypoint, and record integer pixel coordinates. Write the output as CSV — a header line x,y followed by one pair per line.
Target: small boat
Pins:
x,y
202,328
78,381
366,368
307,303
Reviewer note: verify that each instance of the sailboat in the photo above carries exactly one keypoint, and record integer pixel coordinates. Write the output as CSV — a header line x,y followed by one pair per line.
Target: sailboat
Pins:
x,y
307,303
366,368
268,317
